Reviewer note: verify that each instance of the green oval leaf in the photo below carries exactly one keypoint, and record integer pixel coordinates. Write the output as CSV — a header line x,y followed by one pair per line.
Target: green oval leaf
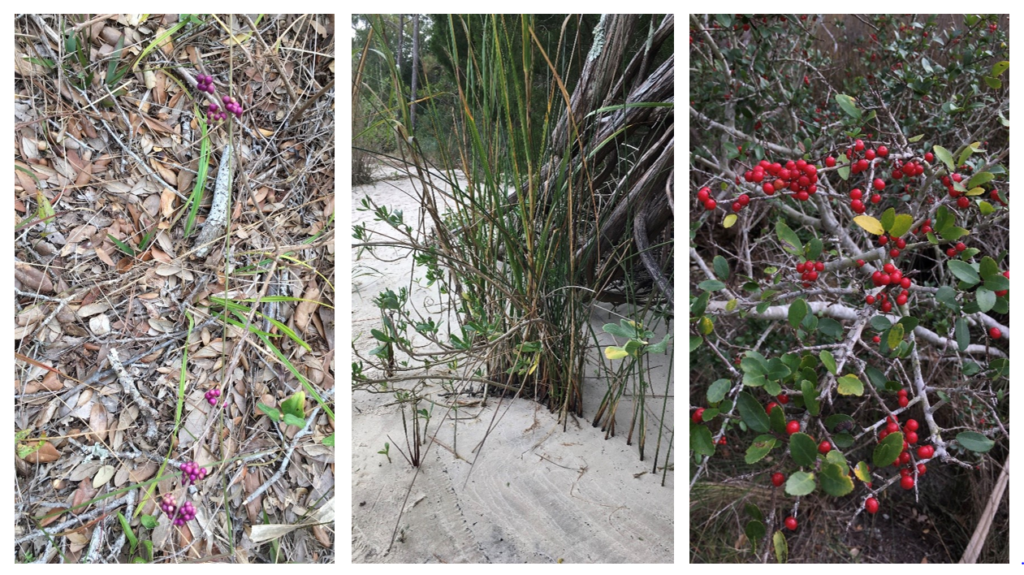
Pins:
x,y
963,271
803,449
752,412
700,440
800,483
975,441
834,480
945,156
721,266
761,447
888,450
718,390
828,361
848,104
850,385
810,398
797,310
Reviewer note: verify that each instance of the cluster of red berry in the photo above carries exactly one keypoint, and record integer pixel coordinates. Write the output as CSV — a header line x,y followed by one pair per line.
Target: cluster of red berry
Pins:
x,y
799,177
889,277
910,437
862,164
924,228
911,169
857,202
809,271
898,244
962,201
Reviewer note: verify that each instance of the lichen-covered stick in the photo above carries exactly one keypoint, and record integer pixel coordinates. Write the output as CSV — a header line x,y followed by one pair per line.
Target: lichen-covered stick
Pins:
x,y
217,220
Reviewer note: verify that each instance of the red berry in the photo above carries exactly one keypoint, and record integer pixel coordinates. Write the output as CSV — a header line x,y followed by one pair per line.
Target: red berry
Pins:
x,y
830,162
994,333
951,252
857,206
876,198
768,188
869,154
879,184
929,157
698,415
824,447
862,165
883,151
771,406
963,202
858,145
876,339
860,263
783,398
856,194
883,434
870,299
911,425
903,401
882,240
907,482
886,307
901,243
736,206
921,469
911,437
778,479
743,200
871,505
894,253
925,452
960,246
792,427
892,427
710,205
791,523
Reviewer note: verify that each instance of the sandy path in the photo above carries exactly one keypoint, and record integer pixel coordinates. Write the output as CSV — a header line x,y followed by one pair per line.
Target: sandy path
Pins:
x,y
534,494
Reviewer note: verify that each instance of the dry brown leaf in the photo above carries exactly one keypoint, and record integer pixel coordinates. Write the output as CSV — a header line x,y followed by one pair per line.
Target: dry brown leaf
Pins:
x,y
48,518
306,308
143,472
321,535
168,176
103,476
51,382
84,493
46,454
167,202
81,233
104,256
32,278
98,422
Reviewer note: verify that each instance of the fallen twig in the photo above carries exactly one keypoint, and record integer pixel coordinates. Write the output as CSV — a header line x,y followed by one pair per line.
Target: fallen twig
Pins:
x,y
129,383
287,457
218,217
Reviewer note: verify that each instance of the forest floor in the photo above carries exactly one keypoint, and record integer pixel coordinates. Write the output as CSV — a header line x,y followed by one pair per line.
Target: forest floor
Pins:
x,y
530,492
127,325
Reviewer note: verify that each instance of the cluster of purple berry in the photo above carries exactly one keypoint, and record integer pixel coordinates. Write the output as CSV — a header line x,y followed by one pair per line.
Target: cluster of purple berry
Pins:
x,y
190,471
178,516
204,83
167,505
232,105
185,514
212,395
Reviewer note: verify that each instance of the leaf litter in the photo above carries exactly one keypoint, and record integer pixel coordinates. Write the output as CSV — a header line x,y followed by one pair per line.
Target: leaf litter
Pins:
x,y
121,327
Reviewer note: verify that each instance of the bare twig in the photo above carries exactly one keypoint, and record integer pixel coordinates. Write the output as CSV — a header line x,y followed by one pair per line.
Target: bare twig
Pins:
x,y
287,457
129,383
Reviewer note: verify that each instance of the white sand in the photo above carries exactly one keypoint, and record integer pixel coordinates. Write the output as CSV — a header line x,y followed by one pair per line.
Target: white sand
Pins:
x,y
534,494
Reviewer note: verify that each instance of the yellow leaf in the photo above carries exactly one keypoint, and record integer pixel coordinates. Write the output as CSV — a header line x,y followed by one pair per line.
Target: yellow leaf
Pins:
x,y
706,325
614,352
730,220
870,224
976,191
536,362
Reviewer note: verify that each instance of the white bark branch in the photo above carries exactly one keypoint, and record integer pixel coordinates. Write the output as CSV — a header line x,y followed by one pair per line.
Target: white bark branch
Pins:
x,y
217,220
